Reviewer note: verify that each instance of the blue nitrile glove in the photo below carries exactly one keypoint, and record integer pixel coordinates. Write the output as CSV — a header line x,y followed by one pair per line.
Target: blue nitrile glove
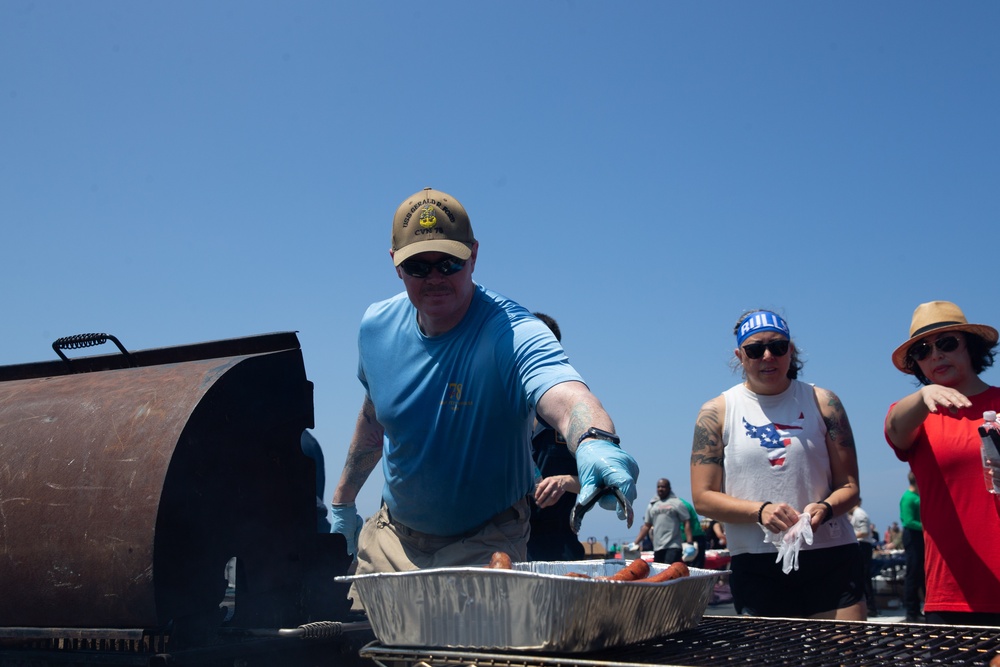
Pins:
x,y
344,519
601,464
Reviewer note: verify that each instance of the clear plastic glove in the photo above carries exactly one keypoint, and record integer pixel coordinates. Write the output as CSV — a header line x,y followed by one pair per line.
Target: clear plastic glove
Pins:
x,y
603,464
344,519
789,541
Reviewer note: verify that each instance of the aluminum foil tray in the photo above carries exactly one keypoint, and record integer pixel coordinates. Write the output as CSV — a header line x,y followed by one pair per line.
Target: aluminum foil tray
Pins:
x,y
529,607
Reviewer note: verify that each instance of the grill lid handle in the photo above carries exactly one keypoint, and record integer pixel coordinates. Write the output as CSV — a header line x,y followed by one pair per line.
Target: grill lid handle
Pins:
x,y
79,341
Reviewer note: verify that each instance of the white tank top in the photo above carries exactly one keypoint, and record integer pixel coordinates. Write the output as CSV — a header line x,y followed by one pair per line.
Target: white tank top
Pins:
x,y
775,449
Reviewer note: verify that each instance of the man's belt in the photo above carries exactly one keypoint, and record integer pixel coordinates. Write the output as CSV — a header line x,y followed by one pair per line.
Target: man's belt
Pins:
x,y
500,518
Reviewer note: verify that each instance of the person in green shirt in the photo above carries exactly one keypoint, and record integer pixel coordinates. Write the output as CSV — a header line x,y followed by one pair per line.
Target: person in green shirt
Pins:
x,y
697,535
913,549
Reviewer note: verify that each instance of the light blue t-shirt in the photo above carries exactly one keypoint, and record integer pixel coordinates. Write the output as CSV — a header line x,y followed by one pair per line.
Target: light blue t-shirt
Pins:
x,y
457,408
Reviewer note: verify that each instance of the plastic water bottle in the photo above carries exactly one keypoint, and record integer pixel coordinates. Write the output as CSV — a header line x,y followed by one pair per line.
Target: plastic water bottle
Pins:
x,y
989,432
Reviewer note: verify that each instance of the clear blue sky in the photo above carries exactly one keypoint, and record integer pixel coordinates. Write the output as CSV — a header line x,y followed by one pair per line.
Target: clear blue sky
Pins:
x,y
177,172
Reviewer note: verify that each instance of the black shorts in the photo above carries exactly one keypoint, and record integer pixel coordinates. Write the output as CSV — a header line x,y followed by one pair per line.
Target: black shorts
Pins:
x,y
827,579
668,555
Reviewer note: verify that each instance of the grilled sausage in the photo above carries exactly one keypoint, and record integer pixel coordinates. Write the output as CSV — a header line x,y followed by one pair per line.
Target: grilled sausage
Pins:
x,y
500,561
634,571
675,571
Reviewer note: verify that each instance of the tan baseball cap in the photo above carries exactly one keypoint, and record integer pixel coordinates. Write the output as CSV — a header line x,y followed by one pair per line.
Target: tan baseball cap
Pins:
x,y
431,221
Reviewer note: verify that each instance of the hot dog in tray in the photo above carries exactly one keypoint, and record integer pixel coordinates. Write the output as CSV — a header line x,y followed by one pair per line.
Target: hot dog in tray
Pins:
x,y
638,570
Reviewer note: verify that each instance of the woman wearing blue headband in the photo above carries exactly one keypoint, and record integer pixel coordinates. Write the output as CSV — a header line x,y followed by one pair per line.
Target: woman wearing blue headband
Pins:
x,y
766,453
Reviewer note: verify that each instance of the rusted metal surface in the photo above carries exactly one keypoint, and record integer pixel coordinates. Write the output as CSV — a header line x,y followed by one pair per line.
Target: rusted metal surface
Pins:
x,y
125,491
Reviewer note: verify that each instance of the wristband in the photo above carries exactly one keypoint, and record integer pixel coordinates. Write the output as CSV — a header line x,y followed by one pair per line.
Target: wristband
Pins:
x,y
760,512
598,434
829,511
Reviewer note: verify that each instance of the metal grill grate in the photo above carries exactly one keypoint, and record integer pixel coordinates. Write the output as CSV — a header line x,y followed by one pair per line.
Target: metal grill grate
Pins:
x,y
108,640
748,641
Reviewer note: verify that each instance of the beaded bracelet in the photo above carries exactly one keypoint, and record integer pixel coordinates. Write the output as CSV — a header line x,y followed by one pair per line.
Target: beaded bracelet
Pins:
x,y
760,511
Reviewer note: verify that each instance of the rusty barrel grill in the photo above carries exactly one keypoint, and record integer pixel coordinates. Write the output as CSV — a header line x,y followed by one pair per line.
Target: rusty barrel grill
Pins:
x,y
128,481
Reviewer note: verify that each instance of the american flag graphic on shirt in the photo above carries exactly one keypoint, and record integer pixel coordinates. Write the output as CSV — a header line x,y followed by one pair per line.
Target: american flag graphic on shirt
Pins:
x,y
773,437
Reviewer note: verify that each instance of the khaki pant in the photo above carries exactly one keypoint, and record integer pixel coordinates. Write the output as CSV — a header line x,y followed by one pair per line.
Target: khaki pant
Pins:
x,y
387,547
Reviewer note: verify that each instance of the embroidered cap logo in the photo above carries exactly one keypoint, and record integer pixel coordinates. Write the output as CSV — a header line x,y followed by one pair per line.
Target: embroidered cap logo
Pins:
x,y
427,217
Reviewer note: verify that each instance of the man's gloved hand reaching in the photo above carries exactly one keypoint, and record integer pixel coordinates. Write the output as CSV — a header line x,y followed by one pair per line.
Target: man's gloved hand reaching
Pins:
x,y
344,519
603,464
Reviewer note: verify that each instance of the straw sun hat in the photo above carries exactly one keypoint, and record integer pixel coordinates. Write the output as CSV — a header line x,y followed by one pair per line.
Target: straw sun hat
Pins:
x,y
938,317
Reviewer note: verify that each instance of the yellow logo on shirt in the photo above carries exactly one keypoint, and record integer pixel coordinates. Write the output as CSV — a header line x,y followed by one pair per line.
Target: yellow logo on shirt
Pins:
x,y
453,399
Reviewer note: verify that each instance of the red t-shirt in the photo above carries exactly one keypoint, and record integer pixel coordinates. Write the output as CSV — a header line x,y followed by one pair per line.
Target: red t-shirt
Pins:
x,y
961,518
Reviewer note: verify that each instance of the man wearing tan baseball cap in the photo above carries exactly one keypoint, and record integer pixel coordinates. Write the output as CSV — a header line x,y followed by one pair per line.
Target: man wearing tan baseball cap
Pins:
x,y
431,221
934,430
454,375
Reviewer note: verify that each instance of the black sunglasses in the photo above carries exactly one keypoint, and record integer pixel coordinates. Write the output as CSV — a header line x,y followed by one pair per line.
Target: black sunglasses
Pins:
x,y
777,348
419,269
920,350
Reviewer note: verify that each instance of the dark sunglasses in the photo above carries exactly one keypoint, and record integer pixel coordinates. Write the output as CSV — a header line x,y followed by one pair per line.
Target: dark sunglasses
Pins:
x,y
419,269
777,348
921,350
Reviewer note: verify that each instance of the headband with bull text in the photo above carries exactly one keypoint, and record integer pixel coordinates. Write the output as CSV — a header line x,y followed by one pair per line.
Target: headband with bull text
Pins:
x,y
758,321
